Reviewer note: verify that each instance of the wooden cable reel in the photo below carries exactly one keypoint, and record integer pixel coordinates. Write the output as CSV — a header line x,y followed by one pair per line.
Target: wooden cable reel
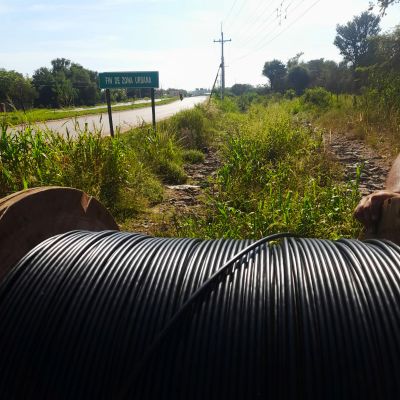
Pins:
x,y
33,215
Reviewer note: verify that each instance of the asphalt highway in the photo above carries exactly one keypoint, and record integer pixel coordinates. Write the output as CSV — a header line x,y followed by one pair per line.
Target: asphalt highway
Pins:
x,y
122,120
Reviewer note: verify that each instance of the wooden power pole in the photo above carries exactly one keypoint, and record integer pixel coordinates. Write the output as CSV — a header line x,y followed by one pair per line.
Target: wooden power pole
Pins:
x,y
222,41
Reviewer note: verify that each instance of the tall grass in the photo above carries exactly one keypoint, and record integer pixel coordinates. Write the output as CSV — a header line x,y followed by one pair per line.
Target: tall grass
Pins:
x,y
101,166
366,117
160,151
125,173
275,177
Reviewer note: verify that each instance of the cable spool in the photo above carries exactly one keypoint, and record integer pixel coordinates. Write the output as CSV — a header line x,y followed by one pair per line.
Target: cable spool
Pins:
x,y
112,315
30,216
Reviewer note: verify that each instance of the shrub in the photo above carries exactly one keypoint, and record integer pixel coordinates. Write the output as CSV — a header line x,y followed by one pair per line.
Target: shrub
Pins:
x,y
290,94
275,177
193,156
160,152
106,168
191,128
318,97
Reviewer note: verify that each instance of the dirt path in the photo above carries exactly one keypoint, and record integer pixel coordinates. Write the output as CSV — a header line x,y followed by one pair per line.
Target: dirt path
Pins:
x,y
351,153
179,199
186,199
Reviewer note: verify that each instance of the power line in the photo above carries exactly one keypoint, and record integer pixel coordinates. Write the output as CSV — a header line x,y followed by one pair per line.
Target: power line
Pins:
x,y
255,10
257,23
230,11
222,41
276,27
237,13
280,33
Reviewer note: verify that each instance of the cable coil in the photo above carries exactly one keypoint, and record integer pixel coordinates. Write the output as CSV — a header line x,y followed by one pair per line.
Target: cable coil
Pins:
x,y
115,315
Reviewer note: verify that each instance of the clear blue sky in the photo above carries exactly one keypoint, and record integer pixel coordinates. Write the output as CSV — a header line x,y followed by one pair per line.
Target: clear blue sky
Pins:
x,y
174,37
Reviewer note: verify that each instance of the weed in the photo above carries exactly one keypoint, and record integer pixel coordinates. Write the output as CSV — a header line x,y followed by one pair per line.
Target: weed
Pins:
x,y
191,128
160,151
275,177
103,167
192,156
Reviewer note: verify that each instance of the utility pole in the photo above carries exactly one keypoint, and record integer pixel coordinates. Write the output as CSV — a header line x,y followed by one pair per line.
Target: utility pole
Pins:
x,y
222,41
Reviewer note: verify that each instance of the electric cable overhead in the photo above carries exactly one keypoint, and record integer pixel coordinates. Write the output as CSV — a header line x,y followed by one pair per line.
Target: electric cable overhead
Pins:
x,y
233,18
255,29
230,10
115,315
251,29
266,43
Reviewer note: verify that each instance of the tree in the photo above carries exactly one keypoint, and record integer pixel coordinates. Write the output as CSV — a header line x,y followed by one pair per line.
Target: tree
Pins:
x,y
16,90
353,38
60,65
318,72
275,71
86,89
44,82
239,88
294,61
384,4
65,92
384,75
298,79
66,84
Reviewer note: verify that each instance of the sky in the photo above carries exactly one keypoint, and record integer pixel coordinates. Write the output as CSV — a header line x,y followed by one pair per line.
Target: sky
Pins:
x,y
174,37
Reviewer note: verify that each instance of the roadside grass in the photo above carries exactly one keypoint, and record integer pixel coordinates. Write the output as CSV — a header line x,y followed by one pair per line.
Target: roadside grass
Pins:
x,y
125,172
104,167
275,174
275,177
160,151
358,117
193,156
43,114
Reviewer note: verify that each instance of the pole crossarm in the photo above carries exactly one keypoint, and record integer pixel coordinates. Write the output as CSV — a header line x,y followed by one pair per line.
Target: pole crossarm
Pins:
x,y
222,41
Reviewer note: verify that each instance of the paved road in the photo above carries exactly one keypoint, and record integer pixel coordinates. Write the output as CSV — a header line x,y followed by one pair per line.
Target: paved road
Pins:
x,y
124,120
128,103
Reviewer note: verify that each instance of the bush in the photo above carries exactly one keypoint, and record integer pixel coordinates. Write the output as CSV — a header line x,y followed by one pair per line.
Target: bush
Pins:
x,y
193,156
275,177
246,100
191,128
318,97
104,167
290,94
160,152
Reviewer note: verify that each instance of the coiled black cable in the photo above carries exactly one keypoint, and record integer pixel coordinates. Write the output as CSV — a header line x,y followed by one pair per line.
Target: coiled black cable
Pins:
x,y
114,315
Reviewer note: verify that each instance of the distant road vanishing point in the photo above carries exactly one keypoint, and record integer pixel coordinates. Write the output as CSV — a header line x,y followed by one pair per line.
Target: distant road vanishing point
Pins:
x,y
122,120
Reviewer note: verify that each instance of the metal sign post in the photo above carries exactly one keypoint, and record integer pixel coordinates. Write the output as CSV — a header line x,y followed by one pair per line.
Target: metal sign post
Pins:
x,y
108,99
153,107
129,80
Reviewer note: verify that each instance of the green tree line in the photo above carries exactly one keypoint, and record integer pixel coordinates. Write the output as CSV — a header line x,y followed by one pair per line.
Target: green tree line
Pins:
x,y
370,62
370,68
65,84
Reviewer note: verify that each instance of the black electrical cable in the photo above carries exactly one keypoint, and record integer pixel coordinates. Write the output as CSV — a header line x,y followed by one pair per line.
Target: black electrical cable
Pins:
x,y
114,315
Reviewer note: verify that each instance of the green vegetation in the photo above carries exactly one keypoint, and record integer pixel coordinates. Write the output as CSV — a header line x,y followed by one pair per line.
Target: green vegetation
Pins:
x,y
103,167
192,156
275,177
160,152
317,97
66,84
125,173
359,95
44,114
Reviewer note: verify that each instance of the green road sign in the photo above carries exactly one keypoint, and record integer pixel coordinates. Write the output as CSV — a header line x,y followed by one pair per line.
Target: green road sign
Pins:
x,y
124,80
